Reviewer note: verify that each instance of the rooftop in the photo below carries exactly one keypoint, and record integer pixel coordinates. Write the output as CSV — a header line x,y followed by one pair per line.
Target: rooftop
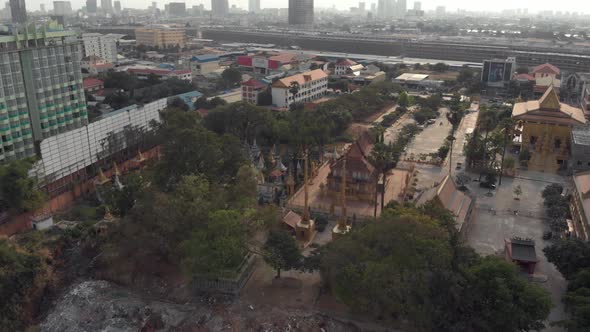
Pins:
x,y
303,78
549,107
523,250
411,77
92,82
581,135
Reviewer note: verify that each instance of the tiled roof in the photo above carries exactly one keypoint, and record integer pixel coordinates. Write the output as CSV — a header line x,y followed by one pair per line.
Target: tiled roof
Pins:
x,y
524,77
91,82
284,58
546,68
313,75
549,108
346,62
254,83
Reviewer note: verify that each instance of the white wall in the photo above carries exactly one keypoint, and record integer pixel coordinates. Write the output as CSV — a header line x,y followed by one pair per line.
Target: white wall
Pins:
x,y
74,150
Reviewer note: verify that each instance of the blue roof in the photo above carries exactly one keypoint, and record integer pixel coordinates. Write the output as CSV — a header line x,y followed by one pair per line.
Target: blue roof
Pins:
x,y
205,58
189,97
166,66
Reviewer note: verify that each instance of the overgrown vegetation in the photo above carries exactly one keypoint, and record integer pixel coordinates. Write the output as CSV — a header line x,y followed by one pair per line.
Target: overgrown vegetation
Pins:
x,y
18,191
556,207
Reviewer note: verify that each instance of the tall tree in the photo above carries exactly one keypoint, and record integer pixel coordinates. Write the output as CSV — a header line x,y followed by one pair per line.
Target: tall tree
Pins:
x,y
18,190
281,251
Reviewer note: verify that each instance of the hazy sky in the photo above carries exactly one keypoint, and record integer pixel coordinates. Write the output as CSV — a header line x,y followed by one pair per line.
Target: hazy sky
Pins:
x,y
496,5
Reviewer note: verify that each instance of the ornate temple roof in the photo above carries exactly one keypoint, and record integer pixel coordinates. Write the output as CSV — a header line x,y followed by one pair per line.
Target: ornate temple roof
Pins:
x,y
549,109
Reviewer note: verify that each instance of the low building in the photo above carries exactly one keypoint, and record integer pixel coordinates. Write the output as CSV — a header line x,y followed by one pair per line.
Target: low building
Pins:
x,y
92,85
259,64
94,65
547,130
580,160
305,87
162,36
189,98
580,205
522,253
204,64
251,89
347,67
448,196
546,75
416,81
164,74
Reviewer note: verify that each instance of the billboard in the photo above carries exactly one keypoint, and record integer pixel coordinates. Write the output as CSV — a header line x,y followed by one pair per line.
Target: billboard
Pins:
x,y
496,72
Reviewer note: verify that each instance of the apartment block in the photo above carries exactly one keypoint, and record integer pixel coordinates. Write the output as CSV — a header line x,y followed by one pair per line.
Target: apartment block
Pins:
x,y
41,93
305,87
102,46
161,36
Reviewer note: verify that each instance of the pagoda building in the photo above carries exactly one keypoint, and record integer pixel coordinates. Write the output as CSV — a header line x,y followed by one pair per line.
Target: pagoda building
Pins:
x,y
360,174
547,130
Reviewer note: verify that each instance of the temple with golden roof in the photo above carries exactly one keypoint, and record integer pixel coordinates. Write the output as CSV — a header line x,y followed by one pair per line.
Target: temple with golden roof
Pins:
x,y
546,130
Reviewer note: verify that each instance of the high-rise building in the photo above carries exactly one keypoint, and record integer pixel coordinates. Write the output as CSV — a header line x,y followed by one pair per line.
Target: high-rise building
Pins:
x,y
42,8
91,6
117,7
177,9
62,8
362,6
417,5
401,8
373,7
253,6
441,11
41,92
18,11
106,6
219,8
301,12
102,46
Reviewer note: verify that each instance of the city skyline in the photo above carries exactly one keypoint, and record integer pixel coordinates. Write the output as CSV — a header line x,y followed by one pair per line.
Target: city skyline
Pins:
x,y
451,5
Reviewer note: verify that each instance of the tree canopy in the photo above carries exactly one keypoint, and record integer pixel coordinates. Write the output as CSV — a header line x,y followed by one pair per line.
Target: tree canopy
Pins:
x,y
18,191
398,268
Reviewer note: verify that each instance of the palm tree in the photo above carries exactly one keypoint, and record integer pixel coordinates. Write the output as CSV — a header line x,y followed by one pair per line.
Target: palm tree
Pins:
x,y
507,126
487,121
383,157
451,139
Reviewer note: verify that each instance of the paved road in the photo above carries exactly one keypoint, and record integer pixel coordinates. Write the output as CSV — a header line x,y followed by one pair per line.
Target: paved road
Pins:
x,y
468,123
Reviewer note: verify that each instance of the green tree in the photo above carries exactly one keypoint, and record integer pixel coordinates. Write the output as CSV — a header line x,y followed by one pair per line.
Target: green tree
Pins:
x,y
440,67
554,189
217,249
403,99
569,256
18,190
281,251
517,191
122,200
231,77
294,88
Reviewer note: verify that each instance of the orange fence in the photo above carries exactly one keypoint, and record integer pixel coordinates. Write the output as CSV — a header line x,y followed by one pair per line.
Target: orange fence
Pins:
x,y
61,202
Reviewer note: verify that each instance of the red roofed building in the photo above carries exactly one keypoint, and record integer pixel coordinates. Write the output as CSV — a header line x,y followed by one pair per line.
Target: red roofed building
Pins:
x,y
346,67
92,85
250,90
448,196
360,174
546,75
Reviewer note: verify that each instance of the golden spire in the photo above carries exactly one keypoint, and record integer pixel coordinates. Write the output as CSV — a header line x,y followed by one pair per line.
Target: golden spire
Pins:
x,y
101,178
306,216
343,220
116,169
140,156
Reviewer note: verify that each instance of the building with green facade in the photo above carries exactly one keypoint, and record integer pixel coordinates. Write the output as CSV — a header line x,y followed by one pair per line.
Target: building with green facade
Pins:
x,y
41,91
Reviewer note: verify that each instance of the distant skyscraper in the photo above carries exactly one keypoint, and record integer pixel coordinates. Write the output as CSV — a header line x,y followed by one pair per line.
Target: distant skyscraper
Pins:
x,y
106,6
441,10
417,5
301,12
402,8
254,6
91,6
362,6
373,7
177,9
42,8
219,8
18,11
62,8
117,7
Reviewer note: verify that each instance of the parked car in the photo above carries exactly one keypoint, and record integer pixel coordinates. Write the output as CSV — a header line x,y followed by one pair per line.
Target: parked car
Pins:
x,y
487,185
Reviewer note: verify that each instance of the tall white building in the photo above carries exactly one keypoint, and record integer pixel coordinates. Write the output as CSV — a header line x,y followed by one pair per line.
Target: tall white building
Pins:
x,y
103,46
